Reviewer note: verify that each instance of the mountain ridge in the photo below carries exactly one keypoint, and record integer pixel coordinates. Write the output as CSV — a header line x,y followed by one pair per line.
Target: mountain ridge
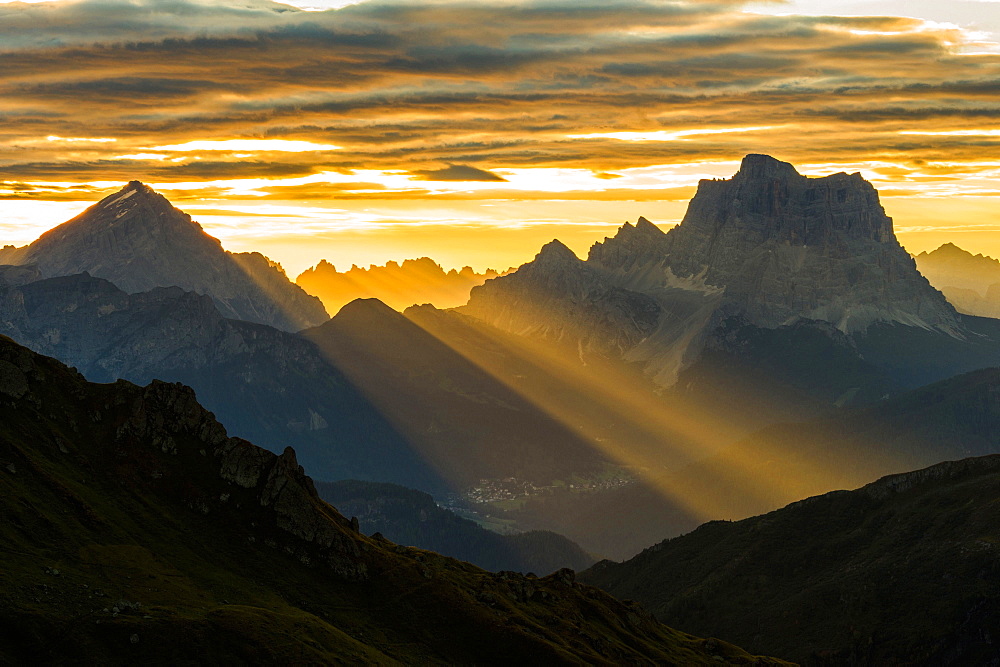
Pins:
x,y
397,284
136,239
768,247
897,571
127,507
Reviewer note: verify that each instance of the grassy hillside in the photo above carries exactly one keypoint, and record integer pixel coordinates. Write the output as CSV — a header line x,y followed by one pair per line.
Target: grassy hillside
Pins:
x,y
134,530
901,571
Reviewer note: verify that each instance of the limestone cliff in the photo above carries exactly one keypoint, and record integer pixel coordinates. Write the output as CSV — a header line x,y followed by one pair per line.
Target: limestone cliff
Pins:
x,y
767,248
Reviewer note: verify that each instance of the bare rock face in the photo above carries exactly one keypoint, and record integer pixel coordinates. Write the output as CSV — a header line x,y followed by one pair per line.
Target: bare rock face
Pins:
x,y
136,239
18,275
786,247
560,298
767,247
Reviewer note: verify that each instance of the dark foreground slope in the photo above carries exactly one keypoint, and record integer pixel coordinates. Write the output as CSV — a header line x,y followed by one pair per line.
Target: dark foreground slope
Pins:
x,y
411,517
134,530
902,571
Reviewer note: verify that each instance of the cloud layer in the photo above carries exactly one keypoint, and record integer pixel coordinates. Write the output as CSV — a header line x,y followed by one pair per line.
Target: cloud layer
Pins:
x,y
480,99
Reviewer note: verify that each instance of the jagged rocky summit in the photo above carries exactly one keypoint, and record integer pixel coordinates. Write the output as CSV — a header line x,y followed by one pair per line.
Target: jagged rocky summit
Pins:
x,y
136,239
768,247
398,285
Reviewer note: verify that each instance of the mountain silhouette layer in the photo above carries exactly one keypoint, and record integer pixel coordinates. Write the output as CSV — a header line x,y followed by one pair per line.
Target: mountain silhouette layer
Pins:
x,y
970,282
399,285
901,571
136,530
136,239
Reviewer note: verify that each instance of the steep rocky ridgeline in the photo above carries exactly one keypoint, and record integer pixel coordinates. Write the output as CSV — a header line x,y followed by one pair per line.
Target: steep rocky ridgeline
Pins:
x,y
766,250
559,298
398,285
901,571
136,239
265,384
135,529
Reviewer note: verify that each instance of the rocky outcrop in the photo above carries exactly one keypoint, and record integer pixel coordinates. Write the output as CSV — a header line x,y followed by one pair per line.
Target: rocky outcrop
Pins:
x,y
885,487
767,247
562,299
136,239
786,247
141,424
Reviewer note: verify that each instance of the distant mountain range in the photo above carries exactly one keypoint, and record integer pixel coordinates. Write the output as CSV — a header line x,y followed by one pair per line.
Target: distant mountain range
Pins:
x,y
598,386
398,285
765,250
135,529
901,571
138,241
970,282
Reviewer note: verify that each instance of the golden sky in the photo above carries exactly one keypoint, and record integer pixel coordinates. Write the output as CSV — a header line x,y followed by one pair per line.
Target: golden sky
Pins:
x,y
474,131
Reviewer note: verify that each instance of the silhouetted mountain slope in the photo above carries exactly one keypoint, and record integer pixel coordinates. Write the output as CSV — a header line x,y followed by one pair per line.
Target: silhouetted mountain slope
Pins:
x,y
465,422
970,282
138,241
263,383
413,518
901,571
368,395
398,285
136,531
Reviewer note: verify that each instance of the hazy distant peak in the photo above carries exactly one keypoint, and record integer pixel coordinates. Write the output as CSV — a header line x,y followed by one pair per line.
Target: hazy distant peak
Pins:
x,y
948,249
425,262
397,284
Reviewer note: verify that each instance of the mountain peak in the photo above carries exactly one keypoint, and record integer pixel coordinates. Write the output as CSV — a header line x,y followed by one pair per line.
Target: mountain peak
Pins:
x,y
644,225
136,239
555,250
756,165
370,309
950,249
